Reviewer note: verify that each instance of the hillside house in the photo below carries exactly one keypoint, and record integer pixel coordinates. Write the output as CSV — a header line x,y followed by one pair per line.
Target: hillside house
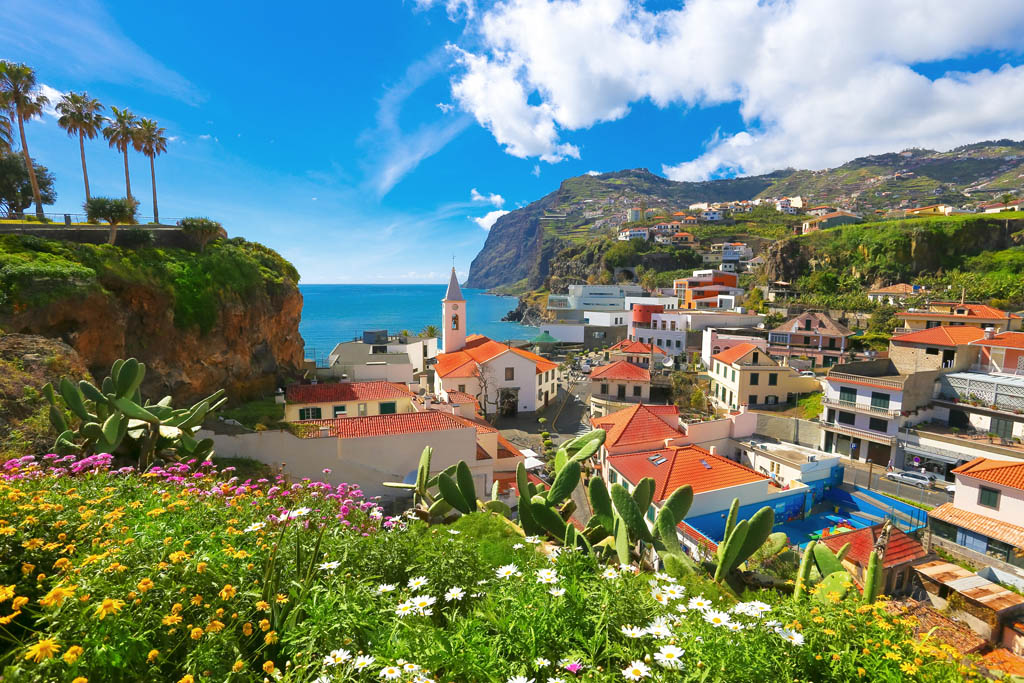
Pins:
x,y
895,295
345,399
638,353
746,375
937,313
829,220
614,386
704,287
813,335
900,555
988,608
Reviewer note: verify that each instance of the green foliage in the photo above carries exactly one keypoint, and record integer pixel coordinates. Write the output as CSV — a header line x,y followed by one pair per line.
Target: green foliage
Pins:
x,y
114,211
16,186
202,230
811,405
136,237
265,411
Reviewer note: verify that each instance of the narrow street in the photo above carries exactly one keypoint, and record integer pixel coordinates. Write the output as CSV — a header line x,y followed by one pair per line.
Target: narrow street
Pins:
x,y
859,474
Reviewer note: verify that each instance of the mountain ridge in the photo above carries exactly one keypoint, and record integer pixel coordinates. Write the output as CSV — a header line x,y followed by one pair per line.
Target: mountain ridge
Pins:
x,y
522,244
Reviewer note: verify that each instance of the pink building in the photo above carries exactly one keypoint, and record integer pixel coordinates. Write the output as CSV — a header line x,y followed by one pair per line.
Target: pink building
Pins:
x,y
986,516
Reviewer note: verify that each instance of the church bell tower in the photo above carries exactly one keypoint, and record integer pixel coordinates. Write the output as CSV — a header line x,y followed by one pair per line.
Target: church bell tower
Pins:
x,y
453,317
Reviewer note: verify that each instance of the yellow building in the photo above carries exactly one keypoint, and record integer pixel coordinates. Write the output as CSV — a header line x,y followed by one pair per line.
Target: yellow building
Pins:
x,y
746,375
345,399
952,313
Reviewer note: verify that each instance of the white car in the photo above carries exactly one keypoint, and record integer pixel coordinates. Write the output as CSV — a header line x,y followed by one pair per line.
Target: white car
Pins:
x,y
807,373
912,478
585,368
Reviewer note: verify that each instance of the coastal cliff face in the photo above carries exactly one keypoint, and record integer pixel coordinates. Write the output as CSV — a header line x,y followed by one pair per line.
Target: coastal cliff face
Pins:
x,y
226,318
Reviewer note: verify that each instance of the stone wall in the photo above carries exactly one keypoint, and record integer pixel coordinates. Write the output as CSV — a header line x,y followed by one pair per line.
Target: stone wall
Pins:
x,y
163,236
790,429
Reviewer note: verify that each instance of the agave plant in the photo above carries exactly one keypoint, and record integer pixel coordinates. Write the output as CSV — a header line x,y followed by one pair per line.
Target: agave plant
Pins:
x,y
114,418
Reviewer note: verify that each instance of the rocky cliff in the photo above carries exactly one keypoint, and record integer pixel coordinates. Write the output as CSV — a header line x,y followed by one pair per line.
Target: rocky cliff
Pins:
x,y
227,317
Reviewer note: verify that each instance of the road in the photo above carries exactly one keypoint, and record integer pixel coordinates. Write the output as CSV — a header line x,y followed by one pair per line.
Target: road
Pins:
x,y
858,473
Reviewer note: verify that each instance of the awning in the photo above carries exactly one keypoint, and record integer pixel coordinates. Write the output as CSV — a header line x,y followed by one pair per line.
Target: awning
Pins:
x,y
932,455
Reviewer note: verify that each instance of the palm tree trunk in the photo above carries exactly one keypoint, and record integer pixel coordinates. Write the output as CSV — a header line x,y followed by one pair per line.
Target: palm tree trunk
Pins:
x,y
152,174
127,180
85,172
31,169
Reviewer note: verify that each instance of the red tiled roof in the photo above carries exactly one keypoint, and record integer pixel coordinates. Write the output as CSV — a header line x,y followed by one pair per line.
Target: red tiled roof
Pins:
x,y
901,548
1003,660
384,425
480,349
821,324
627,346
972,311
731,355
945,335
683,465
623,370
1009,340
460,397
345,391
1004,472
901,288
637,425
972,521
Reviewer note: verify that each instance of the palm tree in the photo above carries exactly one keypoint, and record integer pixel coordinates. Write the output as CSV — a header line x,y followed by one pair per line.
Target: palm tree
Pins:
x,y
19,99
5,132
430,331
150,140
120,133
80,115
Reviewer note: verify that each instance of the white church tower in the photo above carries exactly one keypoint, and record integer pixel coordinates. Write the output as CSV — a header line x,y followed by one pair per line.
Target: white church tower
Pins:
x,y
453,317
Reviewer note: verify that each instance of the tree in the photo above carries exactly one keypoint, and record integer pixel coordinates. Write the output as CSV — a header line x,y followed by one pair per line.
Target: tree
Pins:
x,y
754,299
113,211
16,185
120,134
1006,198
151,141
202,230
6,137
21,101
80,115
430,331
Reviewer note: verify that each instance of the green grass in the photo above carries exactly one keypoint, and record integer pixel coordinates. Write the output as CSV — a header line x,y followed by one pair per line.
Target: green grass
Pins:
x,y
263,411
811,405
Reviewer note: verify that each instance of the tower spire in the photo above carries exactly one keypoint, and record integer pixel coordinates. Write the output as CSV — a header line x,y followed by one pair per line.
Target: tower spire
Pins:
x,y
454,292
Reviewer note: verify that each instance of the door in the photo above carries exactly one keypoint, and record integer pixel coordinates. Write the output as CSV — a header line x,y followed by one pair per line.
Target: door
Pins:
x,y
958,419
622,392
878,453
969,539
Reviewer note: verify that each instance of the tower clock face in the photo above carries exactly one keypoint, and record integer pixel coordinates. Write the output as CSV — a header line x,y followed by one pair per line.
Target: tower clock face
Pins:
x,y
455,306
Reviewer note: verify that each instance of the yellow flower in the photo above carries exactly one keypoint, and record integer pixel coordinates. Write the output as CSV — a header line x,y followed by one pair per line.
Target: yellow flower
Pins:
x,y
175,608
187,678
145,585
908,668
153,654
80,679
861,671
270,638
171,620
19,602
261,605
247,628
196,600
109,606
268,666
73,653
227,592
62,564
238,666
893,656
264,625
201,567
215,626
27,568
6,592
281,598
196,633
44,649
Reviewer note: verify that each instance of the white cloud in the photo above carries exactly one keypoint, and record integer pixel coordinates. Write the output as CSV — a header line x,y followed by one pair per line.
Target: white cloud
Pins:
x,y
593,172
816,83
53,96
395,152
445,107
488,221
496,199
536,171
453,7
205,136
80,38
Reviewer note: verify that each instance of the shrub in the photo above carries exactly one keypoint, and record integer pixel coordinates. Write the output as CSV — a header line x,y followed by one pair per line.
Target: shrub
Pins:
x,y
201,230
136,237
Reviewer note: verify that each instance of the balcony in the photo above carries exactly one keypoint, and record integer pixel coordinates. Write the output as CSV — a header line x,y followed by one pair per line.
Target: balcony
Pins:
x,y
860,407
859,433
1001,391
888,382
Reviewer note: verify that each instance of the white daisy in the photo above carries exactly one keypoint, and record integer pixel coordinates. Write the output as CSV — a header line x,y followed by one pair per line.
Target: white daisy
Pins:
x,y
518,546
791,636
386,588
699,602
255,527
390,673
298,512
329,566
556,591
636,671
409,667
673,591
422,602
520,679
662,576
669,656
532,539
659,597
754,608
404,609
507,571
681,607
734,626
556,679
417,582
540,662
547,576
454,593
610,573
772,625
716,618
659,629
336,657
454,532
362,661
633,631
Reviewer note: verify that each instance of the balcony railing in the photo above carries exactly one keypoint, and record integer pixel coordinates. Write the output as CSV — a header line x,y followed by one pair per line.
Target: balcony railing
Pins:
x,y
992,368
860,433
862,407
862,379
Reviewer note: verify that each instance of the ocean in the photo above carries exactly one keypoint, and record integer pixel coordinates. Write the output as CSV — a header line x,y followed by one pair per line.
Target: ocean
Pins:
x,y
336,313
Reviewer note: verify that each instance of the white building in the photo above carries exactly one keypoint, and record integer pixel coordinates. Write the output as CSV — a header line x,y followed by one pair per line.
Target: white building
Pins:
x,y
503,379
581,300
379,356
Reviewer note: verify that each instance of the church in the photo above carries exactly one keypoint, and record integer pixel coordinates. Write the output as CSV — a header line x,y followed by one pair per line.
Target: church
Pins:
x,y
503,379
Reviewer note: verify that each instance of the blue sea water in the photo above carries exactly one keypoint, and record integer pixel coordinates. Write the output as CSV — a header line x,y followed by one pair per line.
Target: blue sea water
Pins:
x,y
336,313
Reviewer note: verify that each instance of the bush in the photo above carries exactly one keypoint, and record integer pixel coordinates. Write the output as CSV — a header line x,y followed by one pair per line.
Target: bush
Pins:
x,y
135,237
202,230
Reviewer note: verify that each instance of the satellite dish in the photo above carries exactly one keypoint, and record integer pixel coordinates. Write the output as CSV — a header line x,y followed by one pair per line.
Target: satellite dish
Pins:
x,y
668,362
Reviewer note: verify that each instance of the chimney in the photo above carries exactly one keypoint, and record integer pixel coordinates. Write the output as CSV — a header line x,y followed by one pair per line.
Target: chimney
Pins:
x,y
713,450
990,332
313,381
325,432
426,403
279,395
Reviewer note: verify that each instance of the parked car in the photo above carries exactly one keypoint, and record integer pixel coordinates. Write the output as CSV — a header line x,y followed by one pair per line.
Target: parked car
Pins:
x,y
912,478
951,489
585,368
807,373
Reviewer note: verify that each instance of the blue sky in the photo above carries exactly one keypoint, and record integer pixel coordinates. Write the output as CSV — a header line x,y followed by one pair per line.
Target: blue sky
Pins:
x,y
350,136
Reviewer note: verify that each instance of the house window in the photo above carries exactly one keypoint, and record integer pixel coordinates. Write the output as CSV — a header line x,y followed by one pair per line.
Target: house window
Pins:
x,y
752,400
847,395
931,352
845,418
604,388
880,400
510,374
877,424
362,410
612,477
773,379
340,411
988,498
1001,428
754,358
807,340
636,390
755,379
378,349
733,375
388,408
831,342
650,513
462,388
999,550
309,413
943,529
